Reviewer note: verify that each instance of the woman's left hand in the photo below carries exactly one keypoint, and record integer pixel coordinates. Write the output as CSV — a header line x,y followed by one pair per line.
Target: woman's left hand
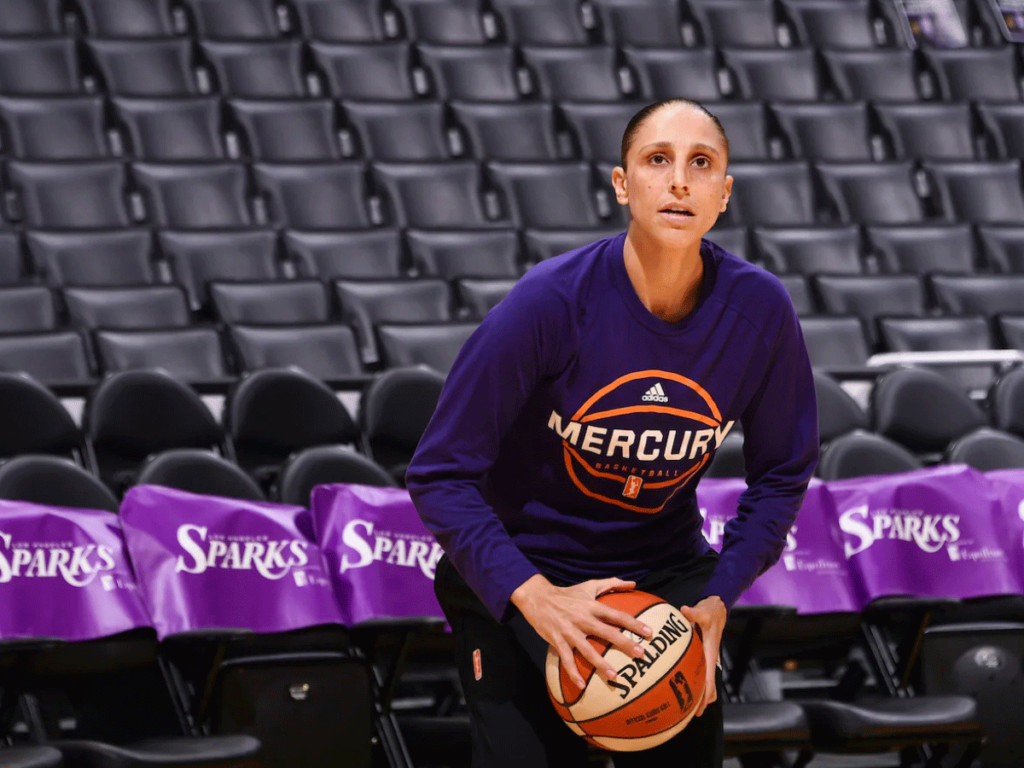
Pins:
x,y
710,615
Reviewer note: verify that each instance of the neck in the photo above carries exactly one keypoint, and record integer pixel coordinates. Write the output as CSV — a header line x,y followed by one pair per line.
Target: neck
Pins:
x,y
667,280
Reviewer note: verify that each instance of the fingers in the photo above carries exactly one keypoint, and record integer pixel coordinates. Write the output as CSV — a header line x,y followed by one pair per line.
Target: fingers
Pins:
x,y
599,662
627,643
603,586
568,660
710,690
617,618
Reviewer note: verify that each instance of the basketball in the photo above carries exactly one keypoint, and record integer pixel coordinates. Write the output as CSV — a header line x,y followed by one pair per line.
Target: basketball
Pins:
x,y
652,698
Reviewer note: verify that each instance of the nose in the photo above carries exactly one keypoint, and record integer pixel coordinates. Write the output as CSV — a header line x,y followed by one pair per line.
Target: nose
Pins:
x,y
679,178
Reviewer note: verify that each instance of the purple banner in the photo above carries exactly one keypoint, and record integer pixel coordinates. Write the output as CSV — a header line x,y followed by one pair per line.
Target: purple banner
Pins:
x,y
812,574
206,562
1010,14
64,573
936,532
380,556
1007,485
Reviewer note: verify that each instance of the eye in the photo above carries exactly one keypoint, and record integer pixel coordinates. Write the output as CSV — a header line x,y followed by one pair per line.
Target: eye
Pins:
x,y
658,159
702,161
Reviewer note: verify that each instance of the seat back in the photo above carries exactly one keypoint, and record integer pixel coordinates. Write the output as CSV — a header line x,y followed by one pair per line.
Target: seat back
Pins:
x,y
324,465
199,472
33,419
860,454
53,481
394,411
325,351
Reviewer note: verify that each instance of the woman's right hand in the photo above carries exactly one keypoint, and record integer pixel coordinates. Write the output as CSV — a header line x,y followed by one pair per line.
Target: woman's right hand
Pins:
x,y
566,616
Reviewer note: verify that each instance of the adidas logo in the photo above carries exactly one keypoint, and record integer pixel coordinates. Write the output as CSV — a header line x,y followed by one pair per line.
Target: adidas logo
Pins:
x,y
655,395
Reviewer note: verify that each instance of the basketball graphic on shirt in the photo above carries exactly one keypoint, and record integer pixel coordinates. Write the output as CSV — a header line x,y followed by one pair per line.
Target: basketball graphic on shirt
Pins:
x,y
638,440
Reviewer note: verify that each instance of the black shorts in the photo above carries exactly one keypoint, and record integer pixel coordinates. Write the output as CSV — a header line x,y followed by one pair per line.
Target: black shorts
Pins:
x,y
512,720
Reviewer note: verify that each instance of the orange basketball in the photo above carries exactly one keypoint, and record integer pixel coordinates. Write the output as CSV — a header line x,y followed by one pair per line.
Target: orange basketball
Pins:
x,y
653,697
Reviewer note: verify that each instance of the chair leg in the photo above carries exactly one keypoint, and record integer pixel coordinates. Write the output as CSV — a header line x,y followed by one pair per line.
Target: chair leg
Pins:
x,y
971,753
939,752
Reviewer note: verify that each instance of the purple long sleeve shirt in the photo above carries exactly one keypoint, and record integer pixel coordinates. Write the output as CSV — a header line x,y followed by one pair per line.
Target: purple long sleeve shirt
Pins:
x,y
575,424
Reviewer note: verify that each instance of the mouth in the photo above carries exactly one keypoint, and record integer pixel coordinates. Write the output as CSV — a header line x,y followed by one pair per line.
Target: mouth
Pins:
x,y
677,212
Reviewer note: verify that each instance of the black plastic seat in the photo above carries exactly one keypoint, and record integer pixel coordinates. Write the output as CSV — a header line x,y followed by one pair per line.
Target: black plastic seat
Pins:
x,y
509,131
199,258
27,309
666,73
933,131
80,195
938,334
382,71
435,345
826,24
736,22
775,73
976,74
124,308
825,131
923,248
115,257
545,245
53,481
728,460
1003,246
599,127
875,193
746,125
70,128
732,239
860,454
328,352
472,73
31,17
987,449
57,357
394,411
269,70
542,22
800,294
979,294
126,18
12,268
316,195
838,412
161,67
324,465
33,420
345,20
980,192
777,193
487,253
370,254
870,297
480,295
873,75
190,354
438,195
197,471
273,413
448,22
292,130
1007,399
400,131
833,250
196,196
1005,126
172,129
644,23
31,757
575,73
134,414
227,751
551,195
38,66
291,302
233,19
1011,328
835,343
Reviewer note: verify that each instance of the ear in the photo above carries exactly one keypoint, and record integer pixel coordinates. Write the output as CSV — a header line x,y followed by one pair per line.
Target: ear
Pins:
x,y
726,194
619,183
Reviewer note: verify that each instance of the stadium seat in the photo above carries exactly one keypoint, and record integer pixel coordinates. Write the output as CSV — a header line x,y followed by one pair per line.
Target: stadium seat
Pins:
x,y
134,414
503,131
546,245
1011,327
39,66
197,471
126,308
774,73
1003,246
447,22
346,21
113,257
825,131
11,267
69,128
172,129
976,74
550,195
31,17
291,302
288,131
438,195
987,449
81,195
1007,401
197,258
905,404
316,195
873,75
778,193
53,481
33,420
800,294
923,248
575,73
827,24
861,454
196,196
1005,126
152,68
480,295
929,131
747,23
542,22
870,297
835,343
324,465
233,19
644,23
393,414
190,354
838,413
267,70
27,308
487,253
979,294
873,193
54,358
365,304
832,250
472,73
979,192
271,414
328,352
397,131
667,73
746,125
435,345
371,254
31,757
599,127
381,71
126,18
927,334
732,239
728,460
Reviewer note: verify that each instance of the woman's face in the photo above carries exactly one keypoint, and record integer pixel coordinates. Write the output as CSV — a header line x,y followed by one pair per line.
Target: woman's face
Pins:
x,y
675,181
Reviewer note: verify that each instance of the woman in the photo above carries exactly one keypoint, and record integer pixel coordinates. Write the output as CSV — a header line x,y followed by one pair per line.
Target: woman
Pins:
x,y
562,459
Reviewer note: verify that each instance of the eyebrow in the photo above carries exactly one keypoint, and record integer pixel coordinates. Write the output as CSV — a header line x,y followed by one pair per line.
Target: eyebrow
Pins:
x,y
669,145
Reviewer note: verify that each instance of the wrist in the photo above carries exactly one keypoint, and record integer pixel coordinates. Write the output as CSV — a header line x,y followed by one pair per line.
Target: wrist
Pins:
x,y
526,592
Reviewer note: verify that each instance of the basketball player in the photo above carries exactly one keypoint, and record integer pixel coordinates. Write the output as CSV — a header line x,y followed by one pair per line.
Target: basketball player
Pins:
x,y
562,459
